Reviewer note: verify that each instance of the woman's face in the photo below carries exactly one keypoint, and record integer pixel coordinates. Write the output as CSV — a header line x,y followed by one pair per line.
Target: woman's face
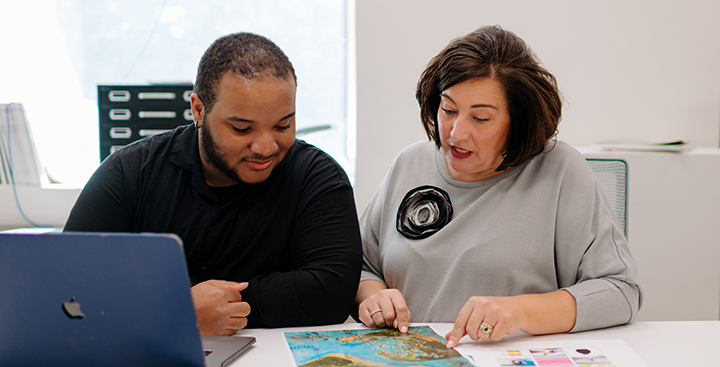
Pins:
x,y
474,123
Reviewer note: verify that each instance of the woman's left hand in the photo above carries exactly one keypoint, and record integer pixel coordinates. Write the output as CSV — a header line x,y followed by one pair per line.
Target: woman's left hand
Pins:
x,y
486,318
491,318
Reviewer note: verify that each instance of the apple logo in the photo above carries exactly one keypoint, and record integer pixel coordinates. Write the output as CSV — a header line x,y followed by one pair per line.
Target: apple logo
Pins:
x,y
72,309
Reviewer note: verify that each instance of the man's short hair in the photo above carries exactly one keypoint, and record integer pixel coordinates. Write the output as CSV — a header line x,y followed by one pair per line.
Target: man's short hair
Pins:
x,y
533,98
246,54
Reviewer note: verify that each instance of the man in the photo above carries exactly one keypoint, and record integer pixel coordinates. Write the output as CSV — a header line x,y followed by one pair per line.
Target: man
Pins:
x,y
268,222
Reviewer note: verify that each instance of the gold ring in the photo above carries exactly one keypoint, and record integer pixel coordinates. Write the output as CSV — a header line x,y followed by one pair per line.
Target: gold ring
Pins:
x,y
376,311
485,328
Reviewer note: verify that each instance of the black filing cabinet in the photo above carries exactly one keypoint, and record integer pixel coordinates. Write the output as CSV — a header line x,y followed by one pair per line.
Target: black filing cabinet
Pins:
x,y
132,112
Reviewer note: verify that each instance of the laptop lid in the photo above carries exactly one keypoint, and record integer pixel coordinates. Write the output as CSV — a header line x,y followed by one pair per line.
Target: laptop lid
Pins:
x,y
99,299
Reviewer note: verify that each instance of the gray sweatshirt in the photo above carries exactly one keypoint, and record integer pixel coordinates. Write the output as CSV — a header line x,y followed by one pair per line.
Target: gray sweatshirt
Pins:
x,y
536,228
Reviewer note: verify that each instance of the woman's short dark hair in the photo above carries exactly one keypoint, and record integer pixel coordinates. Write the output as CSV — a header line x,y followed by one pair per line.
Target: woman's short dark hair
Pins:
x,y
246,54
533,98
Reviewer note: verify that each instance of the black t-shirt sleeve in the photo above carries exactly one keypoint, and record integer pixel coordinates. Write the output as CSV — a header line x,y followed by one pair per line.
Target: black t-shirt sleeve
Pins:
x,y
325,258
102,204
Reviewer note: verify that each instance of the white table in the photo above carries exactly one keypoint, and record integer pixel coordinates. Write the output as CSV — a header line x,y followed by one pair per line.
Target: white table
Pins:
x,y
659,343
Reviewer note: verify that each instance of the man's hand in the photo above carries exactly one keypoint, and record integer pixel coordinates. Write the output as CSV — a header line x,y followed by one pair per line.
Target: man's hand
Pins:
x,y
219,307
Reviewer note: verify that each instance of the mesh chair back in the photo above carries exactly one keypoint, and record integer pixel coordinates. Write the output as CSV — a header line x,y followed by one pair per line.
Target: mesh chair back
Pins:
x,y
612,174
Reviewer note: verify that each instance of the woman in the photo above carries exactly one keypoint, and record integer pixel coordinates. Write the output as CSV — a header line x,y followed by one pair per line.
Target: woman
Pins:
x,y
493,224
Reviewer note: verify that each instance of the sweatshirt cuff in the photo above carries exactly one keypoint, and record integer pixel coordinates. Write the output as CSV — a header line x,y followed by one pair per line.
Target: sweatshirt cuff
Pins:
x,y
599,304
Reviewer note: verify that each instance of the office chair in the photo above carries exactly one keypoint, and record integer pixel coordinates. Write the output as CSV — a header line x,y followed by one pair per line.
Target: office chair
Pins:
x,y
612,174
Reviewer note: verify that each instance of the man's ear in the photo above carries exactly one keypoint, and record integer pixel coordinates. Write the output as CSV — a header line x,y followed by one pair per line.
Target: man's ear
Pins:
x,y
197,107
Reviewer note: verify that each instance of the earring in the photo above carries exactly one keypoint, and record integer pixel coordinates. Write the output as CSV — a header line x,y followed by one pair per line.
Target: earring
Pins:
x,y
197,124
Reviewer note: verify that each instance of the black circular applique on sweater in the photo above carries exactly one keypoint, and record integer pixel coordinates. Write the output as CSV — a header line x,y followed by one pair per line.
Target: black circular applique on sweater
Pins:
x,y
423,211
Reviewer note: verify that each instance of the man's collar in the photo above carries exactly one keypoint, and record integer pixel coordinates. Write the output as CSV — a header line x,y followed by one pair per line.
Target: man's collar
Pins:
x,y
184,151
186,155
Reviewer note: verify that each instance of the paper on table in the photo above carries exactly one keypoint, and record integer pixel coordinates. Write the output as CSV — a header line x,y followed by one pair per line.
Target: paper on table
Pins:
x,y
640,145
572,353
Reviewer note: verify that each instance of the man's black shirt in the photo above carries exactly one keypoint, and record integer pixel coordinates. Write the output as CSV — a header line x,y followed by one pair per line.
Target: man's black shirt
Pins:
x,y
293,237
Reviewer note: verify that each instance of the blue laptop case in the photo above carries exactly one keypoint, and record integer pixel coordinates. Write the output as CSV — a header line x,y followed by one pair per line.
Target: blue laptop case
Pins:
x,y
96,299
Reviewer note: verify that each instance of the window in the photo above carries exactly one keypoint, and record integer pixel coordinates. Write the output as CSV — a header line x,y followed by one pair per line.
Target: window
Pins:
x,y
59,51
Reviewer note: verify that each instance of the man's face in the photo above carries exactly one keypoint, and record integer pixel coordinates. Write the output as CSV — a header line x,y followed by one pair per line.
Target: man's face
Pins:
x,y
248,131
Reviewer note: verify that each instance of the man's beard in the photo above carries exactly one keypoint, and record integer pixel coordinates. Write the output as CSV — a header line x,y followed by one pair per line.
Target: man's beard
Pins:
x,y
212,152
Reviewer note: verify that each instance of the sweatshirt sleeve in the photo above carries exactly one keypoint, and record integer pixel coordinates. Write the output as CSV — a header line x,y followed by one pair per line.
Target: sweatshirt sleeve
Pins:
x,y
594,262
370,222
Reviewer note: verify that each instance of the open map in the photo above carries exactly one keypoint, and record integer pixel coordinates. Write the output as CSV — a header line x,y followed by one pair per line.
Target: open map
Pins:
x,y
421,346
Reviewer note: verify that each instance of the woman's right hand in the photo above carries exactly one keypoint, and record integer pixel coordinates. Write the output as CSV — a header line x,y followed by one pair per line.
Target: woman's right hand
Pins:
x,y
383,308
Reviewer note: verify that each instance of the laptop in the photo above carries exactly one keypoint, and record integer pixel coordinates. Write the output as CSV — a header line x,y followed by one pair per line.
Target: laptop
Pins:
x,y
102,299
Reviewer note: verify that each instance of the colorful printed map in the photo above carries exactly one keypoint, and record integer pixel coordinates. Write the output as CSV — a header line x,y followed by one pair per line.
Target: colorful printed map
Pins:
x,y
420,346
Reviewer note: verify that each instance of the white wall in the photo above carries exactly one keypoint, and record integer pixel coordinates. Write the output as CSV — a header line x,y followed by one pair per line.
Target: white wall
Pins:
x,y
627,69
673,211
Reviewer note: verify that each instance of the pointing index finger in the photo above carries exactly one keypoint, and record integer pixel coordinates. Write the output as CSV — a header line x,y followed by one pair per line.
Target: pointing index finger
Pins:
x,y
402,313
459,329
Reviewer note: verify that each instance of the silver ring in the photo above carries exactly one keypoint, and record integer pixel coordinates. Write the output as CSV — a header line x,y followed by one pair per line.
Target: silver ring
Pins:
x,y
376,311
485,328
